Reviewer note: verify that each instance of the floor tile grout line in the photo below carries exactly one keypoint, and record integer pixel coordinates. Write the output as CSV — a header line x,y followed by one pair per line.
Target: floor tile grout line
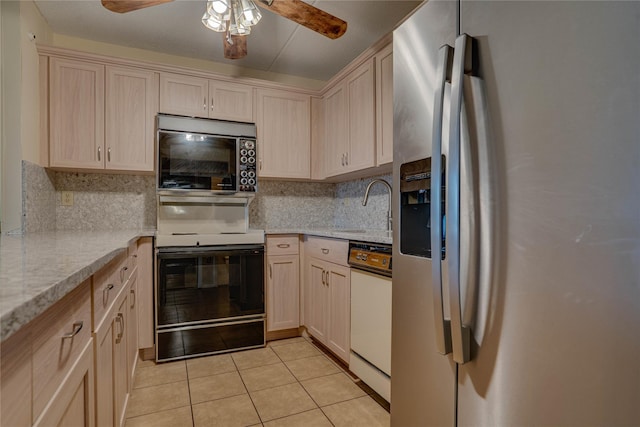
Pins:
x,y
193,418
255,408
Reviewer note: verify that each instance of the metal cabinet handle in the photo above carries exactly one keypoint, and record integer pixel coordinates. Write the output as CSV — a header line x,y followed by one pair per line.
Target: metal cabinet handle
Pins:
x,y
109,154
323,282
77,326
105,293
342,159
120,320
325,251
260,164
283,245
99,152
133,294
346,159
442,326
204,103
211,104
270,272
122,271
327,279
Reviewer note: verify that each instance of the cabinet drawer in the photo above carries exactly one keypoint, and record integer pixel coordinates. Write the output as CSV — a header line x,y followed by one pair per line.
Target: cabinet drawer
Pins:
x,y
107,284
282,245
59,337
332,250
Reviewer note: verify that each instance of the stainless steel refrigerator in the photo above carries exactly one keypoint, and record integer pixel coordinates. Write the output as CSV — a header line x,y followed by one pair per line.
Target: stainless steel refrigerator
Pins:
x,y
516,277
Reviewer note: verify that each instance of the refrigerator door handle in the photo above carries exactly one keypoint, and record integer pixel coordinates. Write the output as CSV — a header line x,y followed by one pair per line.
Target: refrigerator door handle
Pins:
x,y
442,326
460,334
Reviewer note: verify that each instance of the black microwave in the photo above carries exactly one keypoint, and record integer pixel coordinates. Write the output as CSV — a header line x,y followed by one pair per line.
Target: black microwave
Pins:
x,y
204,155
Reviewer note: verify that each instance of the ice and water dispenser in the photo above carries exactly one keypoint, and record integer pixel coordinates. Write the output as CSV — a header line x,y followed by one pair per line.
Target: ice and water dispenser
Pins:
x,y
415,208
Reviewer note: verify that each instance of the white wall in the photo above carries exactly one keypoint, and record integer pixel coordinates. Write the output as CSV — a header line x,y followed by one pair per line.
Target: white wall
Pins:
x,y
11,191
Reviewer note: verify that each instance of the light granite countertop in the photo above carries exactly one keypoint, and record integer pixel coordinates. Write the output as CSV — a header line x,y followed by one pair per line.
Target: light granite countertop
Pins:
x,y
38,269
373,236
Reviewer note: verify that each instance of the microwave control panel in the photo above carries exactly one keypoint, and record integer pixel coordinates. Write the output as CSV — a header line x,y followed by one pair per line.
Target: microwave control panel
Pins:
x,y
247,166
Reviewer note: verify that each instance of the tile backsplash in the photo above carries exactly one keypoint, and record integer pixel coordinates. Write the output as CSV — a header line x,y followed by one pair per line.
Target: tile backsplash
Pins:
x,y
116,201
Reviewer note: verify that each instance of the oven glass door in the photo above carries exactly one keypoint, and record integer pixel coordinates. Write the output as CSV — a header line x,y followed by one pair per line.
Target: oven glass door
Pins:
x,y
190,161
199,285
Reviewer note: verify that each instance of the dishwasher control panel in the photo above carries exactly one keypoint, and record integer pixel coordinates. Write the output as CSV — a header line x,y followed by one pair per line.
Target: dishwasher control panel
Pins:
x,y
373,257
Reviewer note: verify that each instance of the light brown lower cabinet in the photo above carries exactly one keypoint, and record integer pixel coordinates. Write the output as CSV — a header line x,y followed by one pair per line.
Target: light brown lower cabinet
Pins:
x,y
73,365
47,376
112,362
328,293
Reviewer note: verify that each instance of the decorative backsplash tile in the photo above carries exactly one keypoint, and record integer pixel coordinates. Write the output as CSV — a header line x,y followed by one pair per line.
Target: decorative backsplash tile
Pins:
x,y
349,212
106,201
38,199
115,201
287,204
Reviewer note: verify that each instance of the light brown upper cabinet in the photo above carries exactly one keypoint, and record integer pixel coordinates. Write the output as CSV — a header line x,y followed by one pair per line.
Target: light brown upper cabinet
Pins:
x,y
76,108
131,106
200,97
284,133
350,117
384,106
101,117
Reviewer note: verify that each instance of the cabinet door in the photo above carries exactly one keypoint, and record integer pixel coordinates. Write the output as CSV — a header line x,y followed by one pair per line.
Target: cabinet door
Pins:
x,y
362,115
73,402
131,107
104,339
384,106
76,105
120,364
284,134
336,130
318,303
317,138
144,294
230,101
183,95
132,329
283,292
339,318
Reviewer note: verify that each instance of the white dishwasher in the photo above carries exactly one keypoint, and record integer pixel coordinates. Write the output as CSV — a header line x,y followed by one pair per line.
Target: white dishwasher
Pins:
x,y
371,315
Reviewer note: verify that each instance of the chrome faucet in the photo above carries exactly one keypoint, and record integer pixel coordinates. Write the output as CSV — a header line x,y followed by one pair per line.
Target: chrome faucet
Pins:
x,y
366,197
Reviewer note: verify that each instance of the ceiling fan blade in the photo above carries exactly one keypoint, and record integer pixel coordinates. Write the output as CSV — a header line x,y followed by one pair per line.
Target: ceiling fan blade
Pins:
x,y
307,15
123,6
236,50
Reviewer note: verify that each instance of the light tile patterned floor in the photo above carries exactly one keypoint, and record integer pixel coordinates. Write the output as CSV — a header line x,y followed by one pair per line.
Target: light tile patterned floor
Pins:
x,y
289,383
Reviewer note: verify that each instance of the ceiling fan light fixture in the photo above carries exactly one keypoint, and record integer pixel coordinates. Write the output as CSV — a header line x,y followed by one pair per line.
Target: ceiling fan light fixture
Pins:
x,y
234,16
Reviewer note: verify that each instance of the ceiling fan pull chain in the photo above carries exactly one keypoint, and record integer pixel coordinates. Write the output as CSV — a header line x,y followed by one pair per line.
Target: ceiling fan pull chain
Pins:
x,y
228,37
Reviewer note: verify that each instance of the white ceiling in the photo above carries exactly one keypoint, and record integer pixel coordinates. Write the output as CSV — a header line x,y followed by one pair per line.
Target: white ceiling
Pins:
x,y
275,43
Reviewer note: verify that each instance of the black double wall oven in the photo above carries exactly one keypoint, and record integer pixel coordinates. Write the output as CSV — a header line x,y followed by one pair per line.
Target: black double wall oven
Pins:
x,y
209,266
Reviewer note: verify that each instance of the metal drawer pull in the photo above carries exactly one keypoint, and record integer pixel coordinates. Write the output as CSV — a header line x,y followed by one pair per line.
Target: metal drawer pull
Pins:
x,y
325,251
270,272
99,151
120,319
204,103
105,293
283,245
133,302
77,326
109,154
122,270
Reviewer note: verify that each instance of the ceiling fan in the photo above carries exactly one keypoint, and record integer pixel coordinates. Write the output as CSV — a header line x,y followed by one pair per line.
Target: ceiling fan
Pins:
x,y
235,17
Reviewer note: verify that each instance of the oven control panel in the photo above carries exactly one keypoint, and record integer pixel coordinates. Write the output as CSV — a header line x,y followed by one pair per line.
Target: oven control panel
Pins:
x,y
371,257
247,163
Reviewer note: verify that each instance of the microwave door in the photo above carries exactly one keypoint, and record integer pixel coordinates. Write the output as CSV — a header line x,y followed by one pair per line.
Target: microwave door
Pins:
x,y
190,161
